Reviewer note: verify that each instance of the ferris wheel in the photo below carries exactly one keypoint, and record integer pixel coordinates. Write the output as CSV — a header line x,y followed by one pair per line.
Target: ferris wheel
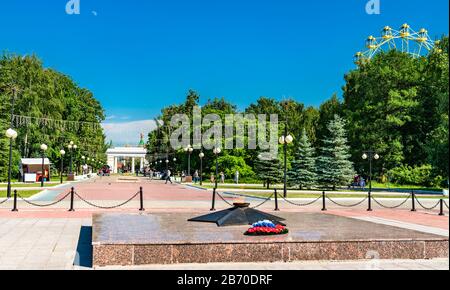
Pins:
x,y
416,43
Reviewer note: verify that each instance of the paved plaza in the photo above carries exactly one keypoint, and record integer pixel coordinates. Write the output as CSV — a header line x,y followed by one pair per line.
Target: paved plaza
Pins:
x,y
53,238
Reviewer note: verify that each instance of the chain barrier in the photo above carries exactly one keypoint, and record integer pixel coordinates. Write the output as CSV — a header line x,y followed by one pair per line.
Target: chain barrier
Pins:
x,y
43,205
300,204
106,207
4,201
347,205
224,200
446,204
264,202
428,208
391,207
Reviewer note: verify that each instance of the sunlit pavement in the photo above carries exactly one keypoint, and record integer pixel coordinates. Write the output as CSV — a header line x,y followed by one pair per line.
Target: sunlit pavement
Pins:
x,y
53,238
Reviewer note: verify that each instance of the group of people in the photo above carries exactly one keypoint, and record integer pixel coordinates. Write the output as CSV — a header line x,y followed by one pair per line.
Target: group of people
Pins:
x,y
359,181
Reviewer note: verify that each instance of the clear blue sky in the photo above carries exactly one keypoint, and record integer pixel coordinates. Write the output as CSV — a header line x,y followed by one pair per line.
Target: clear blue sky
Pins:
x,y
140,55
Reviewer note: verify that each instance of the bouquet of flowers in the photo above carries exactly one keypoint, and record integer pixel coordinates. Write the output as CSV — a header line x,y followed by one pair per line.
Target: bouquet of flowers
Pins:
x,y
266,228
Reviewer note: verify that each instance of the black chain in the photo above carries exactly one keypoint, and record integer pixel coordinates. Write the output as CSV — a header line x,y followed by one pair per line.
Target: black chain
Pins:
x,y
347,205
221,197
428,208
106,207
2,202
446,204
44,205
265,201
391,207
300,204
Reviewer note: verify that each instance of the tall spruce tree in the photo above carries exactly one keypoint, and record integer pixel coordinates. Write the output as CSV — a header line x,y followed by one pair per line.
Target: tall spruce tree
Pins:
x,y
269,171
303,173
333,164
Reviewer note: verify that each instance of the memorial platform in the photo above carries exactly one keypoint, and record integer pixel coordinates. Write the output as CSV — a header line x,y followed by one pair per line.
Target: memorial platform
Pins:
x,y
143,239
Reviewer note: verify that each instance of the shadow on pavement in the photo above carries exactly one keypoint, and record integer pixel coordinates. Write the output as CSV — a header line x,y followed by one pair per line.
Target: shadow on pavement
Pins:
x,y
83,256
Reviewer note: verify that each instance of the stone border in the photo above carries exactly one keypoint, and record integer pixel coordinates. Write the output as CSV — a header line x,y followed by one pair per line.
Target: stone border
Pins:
x,y
148,254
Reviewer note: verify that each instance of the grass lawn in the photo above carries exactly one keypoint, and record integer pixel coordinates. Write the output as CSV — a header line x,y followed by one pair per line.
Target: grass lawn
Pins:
x,y
375,185
301,195
26,185
24,194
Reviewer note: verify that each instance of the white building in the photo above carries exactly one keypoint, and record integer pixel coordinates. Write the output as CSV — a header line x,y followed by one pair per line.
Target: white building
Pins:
x,y
121,154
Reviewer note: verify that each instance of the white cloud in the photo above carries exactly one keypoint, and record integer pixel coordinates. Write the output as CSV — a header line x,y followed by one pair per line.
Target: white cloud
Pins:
x,y
128,132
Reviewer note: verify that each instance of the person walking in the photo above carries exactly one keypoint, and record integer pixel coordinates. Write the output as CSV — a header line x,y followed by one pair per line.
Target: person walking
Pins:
x,y
168,176
196,177
222,177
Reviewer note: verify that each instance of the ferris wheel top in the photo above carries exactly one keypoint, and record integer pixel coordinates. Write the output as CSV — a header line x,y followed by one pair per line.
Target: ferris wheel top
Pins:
x,y
416,43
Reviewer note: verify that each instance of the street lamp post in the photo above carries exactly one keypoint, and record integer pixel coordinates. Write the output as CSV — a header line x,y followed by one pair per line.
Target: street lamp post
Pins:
x,y
285,140
43,148
83,158
370,155
62,152
201,155
189,150
11,135
71,147
216,152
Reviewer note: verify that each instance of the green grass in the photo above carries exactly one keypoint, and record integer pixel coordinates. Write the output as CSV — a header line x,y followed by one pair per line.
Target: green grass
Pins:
x,y
280,187
26,185
301,195
24,194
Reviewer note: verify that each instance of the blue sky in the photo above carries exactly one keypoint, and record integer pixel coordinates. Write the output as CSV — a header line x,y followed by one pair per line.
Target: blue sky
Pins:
x,y
138,56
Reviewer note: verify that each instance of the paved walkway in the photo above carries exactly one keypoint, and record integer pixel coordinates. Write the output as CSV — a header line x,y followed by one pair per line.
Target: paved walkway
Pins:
x,y
53,238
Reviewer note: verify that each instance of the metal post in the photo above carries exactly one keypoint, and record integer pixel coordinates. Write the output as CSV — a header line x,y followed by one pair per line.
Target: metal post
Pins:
x,y
324,206
71,161
217,170
276,200
213,200
141,197
370,201
201,171
441,211
43,170
72,194
13,98
9,168
413,202
370,175
15,201
189,164
62,169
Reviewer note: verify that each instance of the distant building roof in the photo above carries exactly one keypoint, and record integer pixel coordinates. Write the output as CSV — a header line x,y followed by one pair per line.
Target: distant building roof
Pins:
x,y
34,161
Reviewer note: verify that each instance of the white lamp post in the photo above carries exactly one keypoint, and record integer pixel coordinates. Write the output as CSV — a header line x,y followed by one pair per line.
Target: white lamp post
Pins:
x,y
11,134
62,152
285,140
44,148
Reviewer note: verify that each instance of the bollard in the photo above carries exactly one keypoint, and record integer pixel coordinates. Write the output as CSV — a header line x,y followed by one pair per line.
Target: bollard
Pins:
x,y
15,201
324,206
141,198
441,212
213,200
413,202
276,200
370,201
72,194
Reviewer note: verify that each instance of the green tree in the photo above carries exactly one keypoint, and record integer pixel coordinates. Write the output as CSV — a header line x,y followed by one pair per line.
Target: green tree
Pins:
x,y
302,173
45,94
269,171
333,165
